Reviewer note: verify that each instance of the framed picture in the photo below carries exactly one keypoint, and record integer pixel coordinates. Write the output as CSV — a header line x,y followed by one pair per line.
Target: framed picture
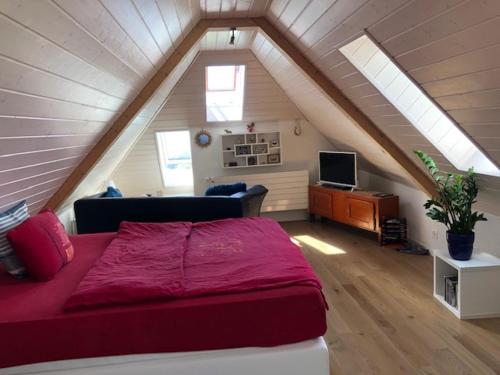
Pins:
x,y
251,138
260,149
243,150
273,159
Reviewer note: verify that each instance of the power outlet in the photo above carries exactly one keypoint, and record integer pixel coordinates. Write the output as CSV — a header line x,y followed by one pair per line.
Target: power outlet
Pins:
x,y
435,234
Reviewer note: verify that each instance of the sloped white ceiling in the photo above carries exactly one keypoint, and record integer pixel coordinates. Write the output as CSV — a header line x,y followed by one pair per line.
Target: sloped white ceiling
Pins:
x,y
68,68
325,114
450,47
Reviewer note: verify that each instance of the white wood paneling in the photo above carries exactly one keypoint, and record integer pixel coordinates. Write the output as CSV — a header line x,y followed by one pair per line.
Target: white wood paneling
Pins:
x,y
328,118
105,167
139,173
218,40
449,46
233,8
67,69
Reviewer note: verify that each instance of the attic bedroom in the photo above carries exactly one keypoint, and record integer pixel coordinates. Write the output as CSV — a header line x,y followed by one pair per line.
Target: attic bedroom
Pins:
x,y
249,186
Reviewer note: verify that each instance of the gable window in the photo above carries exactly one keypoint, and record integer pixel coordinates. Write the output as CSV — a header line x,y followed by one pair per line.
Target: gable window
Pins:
x,y
224,88
420,110
174,151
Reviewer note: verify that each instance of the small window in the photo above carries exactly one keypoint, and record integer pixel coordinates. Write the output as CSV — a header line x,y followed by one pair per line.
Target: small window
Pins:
x,y
224,88
174,150
416,106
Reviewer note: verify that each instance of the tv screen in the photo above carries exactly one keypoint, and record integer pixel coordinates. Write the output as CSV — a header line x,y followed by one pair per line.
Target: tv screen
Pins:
x,y
338,168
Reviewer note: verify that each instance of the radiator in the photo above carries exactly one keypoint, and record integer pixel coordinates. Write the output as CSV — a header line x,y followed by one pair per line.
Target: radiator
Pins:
x,y
287,190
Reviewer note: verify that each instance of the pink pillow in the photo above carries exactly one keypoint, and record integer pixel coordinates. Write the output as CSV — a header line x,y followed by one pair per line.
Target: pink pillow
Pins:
x,y
42,244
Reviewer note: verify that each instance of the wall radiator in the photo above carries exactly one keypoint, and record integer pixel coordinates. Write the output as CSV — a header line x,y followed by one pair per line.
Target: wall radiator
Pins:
x,y
287,190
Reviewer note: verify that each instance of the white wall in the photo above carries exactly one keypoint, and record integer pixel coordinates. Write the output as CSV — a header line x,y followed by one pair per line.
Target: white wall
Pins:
x,y
265,104
420,227
298,152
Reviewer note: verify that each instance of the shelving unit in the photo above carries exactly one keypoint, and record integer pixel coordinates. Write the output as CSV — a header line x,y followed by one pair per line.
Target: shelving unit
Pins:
x,y
252,150
478,289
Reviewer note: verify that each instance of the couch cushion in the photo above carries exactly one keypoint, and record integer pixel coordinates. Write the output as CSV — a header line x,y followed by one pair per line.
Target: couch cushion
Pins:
x,y
10,219
112,192
226,189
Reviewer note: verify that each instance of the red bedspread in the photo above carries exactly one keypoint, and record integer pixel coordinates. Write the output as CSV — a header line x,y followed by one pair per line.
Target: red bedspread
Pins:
x,y
236,255
143,262
176,260
35,327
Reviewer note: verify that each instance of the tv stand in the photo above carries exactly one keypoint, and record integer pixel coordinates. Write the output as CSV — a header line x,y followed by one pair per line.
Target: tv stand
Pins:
x,y
331,186
359,209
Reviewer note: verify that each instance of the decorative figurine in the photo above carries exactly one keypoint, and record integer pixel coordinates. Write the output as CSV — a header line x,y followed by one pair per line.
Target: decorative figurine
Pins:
x,y
251,127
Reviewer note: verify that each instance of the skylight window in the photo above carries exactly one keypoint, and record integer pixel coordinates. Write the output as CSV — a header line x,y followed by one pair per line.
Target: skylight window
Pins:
x,y
174,149
416,106
224,88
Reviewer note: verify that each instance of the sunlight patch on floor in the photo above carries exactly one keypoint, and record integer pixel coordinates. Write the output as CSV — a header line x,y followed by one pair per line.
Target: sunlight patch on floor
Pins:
x,y
319,245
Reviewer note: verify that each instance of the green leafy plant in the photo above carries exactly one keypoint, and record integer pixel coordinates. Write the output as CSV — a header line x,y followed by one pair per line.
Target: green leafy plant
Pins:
x,y
455,195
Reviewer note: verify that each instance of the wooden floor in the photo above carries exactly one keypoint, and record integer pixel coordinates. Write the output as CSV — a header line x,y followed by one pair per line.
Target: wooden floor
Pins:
x,y
383,318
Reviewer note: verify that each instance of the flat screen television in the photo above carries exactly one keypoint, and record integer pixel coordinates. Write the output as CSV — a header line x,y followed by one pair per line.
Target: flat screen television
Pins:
x,y
338,168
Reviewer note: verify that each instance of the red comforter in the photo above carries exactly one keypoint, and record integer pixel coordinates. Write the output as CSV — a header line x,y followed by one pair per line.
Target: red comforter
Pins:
x,y
175,260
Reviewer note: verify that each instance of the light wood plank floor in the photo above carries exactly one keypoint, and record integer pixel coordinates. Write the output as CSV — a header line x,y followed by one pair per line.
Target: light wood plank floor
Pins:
x,y
383,318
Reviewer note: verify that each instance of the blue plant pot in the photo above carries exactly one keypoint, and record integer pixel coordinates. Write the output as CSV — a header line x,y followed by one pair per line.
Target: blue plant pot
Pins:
x,y
460,246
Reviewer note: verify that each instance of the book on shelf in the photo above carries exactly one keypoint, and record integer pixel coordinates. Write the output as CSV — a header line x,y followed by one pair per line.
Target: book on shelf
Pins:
x,y
451,290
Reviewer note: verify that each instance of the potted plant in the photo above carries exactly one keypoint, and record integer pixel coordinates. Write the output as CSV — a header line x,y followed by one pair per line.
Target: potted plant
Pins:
x,y
452,206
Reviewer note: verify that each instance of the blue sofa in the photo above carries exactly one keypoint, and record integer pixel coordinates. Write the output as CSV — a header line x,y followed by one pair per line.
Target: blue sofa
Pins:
x,y
97,214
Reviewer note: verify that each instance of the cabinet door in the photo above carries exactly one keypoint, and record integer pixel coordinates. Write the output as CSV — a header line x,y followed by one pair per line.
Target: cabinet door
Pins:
x,y
340,207
361,213
321,203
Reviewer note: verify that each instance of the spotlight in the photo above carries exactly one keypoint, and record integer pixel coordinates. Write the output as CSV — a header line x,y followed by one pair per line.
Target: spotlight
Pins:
x,y
231,40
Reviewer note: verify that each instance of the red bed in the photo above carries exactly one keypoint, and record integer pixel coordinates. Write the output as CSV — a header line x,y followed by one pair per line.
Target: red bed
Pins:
x,y
35,328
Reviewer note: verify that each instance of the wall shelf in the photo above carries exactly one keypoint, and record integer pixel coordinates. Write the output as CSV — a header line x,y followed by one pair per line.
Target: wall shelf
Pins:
x,y
248,150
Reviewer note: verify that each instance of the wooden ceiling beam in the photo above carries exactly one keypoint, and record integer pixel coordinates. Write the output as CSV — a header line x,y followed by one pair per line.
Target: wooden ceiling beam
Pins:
x,y
134,108
334,93
204,25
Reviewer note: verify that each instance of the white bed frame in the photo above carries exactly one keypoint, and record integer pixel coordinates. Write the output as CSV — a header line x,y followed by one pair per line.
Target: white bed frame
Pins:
x,y
303,358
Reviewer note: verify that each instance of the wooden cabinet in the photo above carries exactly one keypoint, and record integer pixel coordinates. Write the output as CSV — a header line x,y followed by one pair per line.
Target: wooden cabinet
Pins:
x,y
321,203
360,209
360,213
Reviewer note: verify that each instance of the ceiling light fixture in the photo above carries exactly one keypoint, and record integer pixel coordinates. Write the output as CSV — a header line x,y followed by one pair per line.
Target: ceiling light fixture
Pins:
x,y
231,40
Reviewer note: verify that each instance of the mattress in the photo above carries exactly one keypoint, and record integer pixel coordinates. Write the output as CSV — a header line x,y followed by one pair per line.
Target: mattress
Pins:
x,y
35,328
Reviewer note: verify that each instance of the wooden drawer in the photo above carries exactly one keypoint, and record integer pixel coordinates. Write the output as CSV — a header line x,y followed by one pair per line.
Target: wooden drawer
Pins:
x,y
360,213
320,203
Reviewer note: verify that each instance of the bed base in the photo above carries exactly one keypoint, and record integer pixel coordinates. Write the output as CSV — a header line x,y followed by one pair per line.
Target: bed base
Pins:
x,y
307,357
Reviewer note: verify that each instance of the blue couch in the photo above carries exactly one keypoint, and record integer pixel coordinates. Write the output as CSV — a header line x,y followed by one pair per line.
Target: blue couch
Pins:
x,y
97,214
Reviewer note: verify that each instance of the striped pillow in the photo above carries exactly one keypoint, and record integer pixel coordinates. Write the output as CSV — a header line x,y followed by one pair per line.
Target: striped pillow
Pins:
x,y
8,220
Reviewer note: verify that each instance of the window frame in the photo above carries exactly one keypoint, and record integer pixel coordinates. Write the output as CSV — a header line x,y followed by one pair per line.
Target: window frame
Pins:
x,y
471,153
244,78
206,78
161,149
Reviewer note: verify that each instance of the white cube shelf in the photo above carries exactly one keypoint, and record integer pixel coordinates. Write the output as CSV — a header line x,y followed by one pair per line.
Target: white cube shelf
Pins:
x,y
251,150
478,288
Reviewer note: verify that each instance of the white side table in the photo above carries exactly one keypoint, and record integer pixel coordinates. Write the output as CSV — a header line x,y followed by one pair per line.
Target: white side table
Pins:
x,y
478,290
